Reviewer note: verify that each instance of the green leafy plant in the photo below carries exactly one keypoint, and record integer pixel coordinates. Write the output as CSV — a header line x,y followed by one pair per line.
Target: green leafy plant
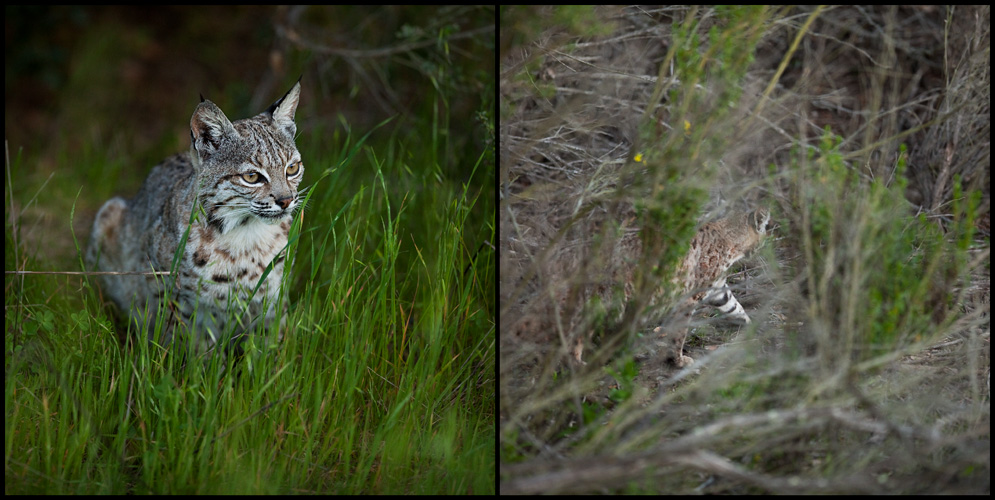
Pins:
x,y
876,273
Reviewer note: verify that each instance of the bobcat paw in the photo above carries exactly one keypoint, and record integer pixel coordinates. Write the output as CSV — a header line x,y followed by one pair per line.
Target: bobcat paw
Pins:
x,y
577,352
680,361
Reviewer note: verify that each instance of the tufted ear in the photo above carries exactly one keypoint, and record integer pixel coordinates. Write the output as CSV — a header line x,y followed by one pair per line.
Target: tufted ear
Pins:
x,y
210,129
282,111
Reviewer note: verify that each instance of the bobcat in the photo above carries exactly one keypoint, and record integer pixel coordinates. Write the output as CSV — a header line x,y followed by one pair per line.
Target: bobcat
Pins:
x,y
224,210
700,276
714,249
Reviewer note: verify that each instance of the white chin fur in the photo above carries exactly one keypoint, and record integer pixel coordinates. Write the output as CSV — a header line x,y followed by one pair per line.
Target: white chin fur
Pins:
x,y
271,220
246,236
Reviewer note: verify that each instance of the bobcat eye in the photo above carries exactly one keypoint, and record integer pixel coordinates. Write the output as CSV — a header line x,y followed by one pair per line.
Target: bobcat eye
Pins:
x,y
293,169
251,177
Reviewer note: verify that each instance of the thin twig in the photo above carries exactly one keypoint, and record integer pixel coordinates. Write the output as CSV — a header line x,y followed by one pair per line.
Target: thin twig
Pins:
x,y
89,273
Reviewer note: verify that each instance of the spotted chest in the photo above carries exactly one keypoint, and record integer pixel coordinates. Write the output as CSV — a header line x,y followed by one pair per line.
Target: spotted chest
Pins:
x,y
220,266
223,273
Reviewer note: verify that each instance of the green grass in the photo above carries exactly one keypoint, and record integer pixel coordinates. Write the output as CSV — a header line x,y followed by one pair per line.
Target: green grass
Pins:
x,y
383,385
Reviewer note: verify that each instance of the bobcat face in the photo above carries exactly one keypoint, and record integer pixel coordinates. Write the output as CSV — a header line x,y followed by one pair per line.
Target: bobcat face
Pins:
x,y
256,193
248,172
757,227
760,220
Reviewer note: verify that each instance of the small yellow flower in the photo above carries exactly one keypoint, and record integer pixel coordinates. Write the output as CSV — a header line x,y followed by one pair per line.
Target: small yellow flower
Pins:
x,y
687,127
638,158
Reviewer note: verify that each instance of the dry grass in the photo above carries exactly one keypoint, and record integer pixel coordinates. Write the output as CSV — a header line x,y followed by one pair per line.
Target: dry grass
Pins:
x,y
823,393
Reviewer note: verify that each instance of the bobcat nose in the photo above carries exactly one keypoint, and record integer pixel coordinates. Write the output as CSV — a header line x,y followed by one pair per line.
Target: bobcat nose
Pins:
x,y
285,201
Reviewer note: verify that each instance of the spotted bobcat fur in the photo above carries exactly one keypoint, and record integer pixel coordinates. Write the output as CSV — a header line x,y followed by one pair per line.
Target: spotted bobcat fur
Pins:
x,y
714,249
232,198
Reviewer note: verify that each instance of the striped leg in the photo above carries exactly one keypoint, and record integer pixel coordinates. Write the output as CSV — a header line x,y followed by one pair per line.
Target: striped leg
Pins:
x,y
721,297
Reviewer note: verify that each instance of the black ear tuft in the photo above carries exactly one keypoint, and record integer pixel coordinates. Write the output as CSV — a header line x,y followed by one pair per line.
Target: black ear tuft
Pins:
x,y
202,97
282,111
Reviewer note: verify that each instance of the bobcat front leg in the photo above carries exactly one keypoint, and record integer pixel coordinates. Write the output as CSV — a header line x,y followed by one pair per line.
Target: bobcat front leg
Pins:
x,y
674,336
721,297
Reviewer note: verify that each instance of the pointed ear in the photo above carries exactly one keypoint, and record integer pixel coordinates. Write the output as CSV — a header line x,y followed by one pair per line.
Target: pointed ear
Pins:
x,y
282,111
210,129
761,220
